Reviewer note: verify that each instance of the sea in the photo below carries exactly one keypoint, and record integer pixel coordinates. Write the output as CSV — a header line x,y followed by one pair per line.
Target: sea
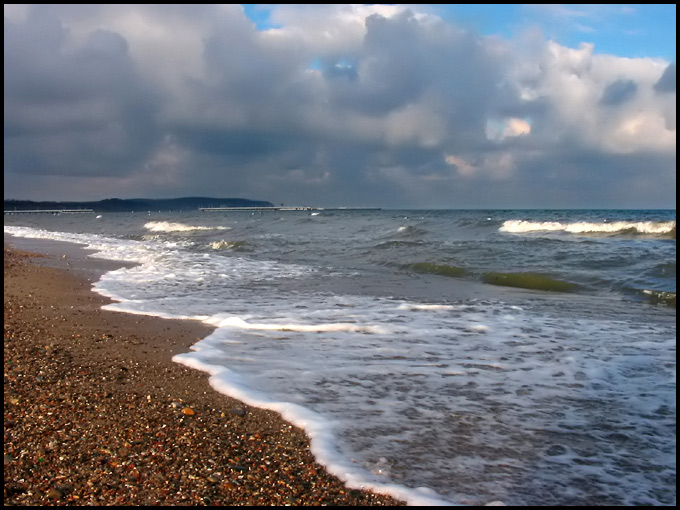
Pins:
x,y
445,357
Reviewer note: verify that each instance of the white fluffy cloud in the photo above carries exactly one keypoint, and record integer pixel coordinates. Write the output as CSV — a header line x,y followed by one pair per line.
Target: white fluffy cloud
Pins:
x,y
574,82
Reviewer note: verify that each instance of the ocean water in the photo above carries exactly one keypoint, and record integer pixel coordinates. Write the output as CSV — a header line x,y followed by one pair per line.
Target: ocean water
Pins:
x,y
444,357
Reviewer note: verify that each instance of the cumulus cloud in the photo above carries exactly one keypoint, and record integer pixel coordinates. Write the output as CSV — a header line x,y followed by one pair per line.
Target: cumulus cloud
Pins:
x,y
667,81
334,105
618,92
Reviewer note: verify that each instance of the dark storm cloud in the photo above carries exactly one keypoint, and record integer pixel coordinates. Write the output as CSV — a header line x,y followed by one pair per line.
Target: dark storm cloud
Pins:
x,y
341,105
72,110
405,62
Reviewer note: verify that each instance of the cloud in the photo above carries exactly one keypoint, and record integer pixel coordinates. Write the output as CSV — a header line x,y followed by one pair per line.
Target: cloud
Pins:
x,y
333,105
598,102
499,129
618,92
463,167
73,109
667,81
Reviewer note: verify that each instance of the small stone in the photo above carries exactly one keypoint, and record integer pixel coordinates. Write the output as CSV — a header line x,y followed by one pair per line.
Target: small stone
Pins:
x,y
237,411
54,494
188,411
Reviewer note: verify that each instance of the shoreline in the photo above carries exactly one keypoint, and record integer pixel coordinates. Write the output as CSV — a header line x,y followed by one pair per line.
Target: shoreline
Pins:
x,y
96,412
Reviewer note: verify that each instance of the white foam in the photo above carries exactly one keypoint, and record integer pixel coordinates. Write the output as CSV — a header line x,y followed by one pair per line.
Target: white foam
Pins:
x,y
417,306
379,392
311,328
223,245
582,227
320,430
478,328
169,226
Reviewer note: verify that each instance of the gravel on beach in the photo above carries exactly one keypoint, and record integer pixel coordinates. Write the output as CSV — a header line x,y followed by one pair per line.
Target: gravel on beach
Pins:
x,y
96,413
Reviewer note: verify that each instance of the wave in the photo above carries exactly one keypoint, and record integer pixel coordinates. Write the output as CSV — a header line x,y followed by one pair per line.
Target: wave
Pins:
x,y
660,297
665,228
388,245
229,245
410,231
439,269
533,281
168,226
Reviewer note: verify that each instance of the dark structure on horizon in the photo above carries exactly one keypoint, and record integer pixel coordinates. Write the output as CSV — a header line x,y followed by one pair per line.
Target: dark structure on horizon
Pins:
x,y
135,204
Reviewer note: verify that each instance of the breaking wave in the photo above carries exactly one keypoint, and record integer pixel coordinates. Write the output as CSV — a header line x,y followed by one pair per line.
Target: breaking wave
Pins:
x,y
229,245
660,297
168,226
665,228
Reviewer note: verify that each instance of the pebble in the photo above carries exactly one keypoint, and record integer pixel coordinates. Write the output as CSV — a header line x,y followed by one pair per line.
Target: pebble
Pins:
x,y
54,494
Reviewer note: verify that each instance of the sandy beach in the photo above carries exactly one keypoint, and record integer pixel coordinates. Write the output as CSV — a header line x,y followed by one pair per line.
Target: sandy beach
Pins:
x,y
96,413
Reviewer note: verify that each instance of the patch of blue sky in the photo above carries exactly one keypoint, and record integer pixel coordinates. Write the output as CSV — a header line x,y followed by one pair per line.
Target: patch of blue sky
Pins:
x,y
635,30
260,15
623,30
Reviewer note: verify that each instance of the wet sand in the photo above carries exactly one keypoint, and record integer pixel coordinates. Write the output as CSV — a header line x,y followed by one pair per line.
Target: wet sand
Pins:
x,y
96,413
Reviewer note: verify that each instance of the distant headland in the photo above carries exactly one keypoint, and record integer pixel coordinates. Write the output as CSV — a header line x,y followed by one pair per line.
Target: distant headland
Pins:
x,y
135,204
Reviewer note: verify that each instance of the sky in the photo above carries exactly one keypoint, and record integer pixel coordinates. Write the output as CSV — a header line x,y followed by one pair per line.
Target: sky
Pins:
x,y
332,105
